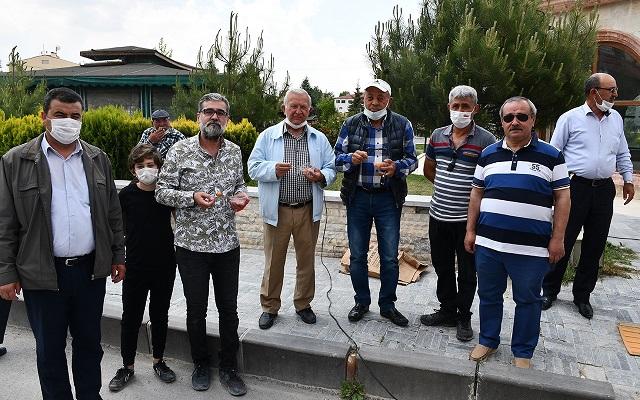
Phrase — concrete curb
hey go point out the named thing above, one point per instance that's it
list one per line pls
(321, 363)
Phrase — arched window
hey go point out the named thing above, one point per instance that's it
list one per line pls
(619, 56)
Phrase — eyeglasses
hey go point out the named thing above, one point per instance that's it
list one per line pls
(452, 164)
(209, 112)
(521, 117)
(611, 89)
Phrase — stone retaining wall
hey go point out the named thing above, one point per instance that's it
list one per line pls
(414, 226)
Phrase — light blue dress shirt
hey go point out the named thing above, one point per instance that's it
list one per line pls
(593, 148)
(70, 209)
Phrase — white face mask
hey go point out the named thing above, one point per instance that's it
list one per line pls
(375, 115)
(65, 130)
(460, 119)
(294, 126)
(148, 176)
(605, 106)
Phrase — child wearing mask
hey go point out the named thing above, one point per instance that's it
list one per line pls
(151, 265)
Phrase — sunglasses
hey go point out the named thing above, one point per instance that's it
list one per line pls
(521, 117)
(452, 163)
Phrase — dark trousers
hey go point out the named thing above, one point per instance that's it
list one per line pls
(591, 208)
(195, 269)
(447, 243)
(158, 282)
(5, 307)
(76, 306)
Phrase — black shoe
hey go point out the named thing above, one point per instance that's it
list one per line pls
(123, 375)
(163, 372)
(438, 318)
(357, 312)
(307, 315)
(266, 320)
(232, 382)
(394, 316)
(200, 378)
(464, 332)
(3, 351)
(547, 302)
(584, 309)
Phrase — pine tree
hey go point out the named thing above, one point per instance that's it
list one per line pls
(502, 48)
(20, 93)
(163, 48)
(356, 106)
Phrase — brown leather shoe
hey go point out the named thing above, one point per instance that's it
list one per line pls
(522, 362)
(481, 353)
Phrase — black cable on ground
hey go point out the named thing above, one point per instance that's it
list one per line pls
(354, 344)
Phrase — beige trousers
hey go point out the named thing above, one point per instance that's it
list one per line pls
(296, 222)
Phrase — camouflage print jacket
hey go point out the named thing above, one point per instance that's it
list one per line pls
(187, 169)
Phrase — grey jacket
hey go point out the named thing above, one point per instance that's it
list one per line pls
(26, 239)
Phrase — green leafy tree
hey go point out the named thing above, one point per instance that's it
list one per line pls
(20, 93)
(315, 92)
(245, 78)
(329, 119)
(356, 106)
(502, 48)
(164, 48)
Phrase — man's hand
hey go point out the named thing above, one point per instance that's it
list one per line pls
(313, 174)
(470, 242)
(239, 201)
(628, 191)
(282, 169)
(10, 291)
(389, 168)
(358, 157)
(556, 250)
(204, 200)
(157, 135)
(117, 272)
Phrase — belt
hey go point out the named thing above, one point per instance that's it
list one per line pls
(591, 182)
(71, 261)
(382, 189)
(295, 205)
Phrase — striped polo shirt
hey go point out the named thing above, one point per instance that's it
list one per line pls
(450, 198)
(516, 207)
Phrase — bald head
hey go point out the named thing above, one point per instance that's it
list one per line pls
(595, 81)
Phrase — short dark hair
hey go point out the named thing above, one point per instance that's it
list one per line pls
(592, 82)
(62, 94)
(141, 152)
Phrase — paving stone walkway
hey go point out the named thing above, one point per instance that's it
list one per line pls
(569, 344)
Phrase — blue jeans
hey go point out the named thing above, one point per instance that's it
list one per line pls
(364, 209)
(526, 273)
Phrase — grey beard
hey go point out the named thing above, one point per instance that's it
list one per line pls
(212, 131)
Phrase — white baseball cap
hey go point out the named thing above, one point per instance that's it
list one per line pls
(380, 84)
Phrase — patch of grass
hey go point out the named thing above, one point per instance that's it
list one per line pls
(617, 262)
(352, 390)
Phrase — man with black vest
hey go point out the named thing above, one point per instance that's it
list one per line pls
(375, 151)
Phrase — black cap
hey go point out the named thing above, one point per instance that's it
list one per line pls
(159, 114)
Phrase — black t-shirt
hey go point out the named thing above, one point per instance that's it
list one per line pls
(147, 226)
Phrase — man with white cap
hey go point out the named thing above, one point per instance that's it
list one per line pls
(376, 152)
(161, 135)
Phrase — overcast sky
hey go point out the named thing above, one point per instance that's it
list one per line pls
(322, 39)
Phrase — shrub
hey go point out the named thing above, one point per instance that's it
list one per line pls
(244, 134)
(186, 126)
(15, 131)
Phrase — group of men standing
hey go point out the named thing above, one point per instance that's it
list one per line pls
(500, 208)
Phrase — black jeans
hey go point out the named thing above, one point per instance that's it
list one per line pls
(591, 208)
(195, 268)
(447, 243)
(77, 306)
(141, 281)
(5, 308)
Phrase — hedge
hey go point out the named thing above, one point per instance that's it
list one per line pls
(116, 131)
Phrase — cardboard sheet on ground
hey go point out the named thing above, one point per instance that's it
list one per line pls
(630, 334)
(410, 268)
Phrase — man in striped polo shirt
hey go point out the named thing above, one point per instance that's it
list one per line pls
(451, 158)
(518, 213)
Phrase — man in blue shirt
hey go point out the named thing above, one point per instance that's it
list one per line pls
(591, 137)
(375, 150)
(513, 230)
